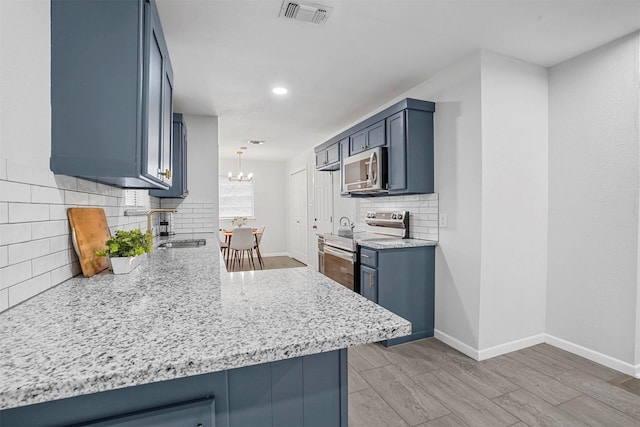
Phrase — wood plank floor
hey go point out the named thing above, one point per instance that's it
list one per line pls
(270, 263)
(429, 384)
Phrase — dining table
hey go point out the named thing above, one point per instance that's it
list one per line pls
(256, 235)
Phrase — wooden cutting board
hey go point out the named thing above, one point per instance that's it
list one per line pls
(89, 226)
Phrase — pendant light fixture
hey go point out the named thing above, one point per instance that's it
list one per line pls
(240, 177)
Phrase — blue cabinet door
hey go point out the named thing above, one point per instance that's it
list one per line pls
(369, 137)
(328, 157)
(333, 154)
(369, 283)
(397, 151)
(358, 142)
(179, 165)
(375, 135)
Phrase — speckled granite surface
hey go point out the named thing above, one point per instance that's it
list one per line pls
(178, 314)
(394, 243)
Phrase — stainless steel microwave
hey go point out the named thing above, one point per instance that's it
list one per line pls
(365, 172)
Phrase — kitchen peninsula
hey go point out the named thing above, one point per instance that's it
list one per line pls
(179, 334)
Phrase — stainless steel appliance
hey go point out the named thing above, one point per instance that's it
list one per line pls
(338, 255)
(365, 172)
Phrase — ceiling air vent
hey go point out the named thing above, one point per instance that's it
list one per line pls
(306, 12)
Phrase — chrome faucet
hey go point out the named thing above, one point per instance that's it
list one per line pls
(150, 212)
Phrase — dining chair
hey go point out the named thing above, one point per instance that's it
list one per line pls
(242, 241)
(258, 239)
(224, 248)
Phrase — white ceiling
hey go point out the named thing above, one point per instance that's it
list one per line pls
(228, 55)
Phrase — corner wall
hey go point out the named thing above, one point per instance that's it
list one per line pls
(514, 204)
(592, 298)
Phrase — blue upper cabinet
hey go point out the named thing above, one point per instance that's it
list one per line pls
(111, 93)
(328, 158)
(406, 131)
(178, 188)
(370, 137)
(410, 152)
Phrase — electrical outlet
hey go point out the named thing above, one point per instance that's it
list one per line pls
(444, 220)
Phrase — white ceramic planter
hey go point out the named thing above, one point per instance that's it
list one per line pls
(124, 265)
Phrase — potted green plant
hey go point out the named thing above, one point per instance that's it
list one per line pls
(125, 249)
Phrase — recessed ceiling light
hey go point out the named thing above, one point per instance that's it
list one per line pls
(280, 90)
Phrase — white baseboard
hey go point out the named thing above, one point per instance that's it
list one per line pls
(276, 254)
(457, 344)
(508, 347)
(594, 356)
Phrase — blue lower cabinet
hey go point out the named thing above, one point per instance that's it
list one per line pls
(403, 282)
(303, 391)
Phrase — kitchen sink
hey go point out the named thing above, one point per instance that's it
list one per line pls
(186, 243)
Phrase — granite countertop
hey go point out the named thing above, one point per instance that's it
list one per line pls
(178, 314)
(393, 243)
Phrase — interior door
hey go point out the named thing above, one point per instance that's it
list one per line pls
(323, 188)
(298, 215)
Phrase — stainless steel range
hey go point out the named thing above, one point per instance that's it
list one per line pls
(338, 255)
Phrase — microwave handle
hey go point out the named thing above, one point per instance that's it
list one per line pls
(373, 178)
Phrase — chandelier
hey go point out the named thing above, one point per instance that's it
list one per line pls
(240, 177)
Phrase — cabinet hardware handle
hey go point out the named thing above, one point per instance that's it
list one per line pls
(362, 147)
(371, 280)
(365, 256)
(166, 173)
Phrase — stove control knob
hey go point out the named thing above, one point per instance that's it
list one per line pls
(393, 216)
(399, 216)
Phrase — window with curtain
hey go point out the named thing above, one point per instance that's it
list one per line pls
(236, 198)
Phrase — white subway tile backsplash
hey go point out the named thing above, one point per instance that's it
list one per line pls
(28, 212)
(28, 250)
(4, 256)
(65, 272)
(40, 230)
(4, 212)
(60, 243)
(58, 212)
(13, 274)
(29, 288)
(46, 195)
(66, 182)
(14, 233)
(49, 262)
(15, 192)
(87, 186)
(4, 299)
(75, 198)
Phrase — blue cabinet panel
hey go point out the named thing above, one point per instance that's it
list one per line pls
(250, 396)
(403, 283)
(287, 393)
(397, 152)
(323, 403)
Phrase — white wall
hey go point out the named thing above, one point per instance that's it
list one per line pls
(514, 203)
(198, 212)
(592, 299)
(270, 200)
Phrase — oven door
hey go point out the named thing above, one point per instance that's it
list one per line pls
(339, 265)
